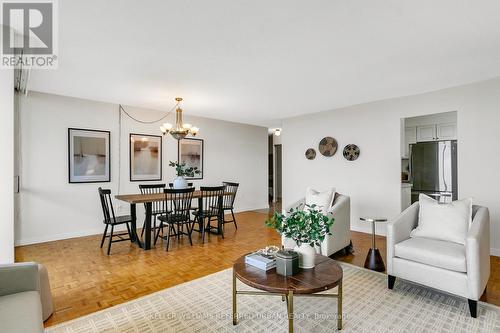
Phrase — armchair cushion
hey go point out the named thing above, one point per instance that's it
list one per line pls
(323, 200)
(447, 222)
(21, 312)
(437, 253)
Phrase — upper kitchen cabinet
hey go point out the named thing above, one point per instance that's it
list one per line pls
(437, 132)
(446, 131)
(426, 133)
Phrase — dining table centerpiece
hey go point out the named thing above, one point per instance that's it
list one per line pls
(182, 171)
(307, 225)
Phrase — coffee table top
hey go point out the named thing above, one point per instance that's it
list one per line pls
(327, 274)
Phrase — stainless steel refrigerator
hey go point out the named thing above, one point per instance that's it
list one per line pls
(433, 170)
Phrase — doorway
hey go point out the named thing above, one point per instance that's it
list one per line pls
(429, 158)
(275, 173)
(277, 188)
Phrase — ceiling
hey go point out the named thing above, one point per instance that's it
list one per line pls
(261, 61)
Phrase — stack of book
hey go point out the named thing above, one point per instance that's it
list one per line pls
(261, 261)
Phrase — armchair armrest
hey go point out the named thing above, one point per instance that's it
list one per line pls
(399, 229)
(477, 251)
(16, 278)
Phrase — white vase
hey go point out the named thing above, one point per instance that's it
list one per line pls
(307, 255)
(180, 183)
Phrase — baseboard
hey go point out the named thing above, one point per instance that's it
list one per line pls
(50, 238)
(495, 252)
(367, 230)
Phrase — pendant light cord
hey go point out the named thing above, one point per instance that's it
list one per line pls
(121, 110)
(148, 122)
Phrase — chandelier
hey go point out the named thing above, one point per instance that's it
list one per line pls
(181, 130)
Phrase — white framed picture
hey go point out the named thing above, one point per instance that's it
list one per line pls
(145, 157)
(88, 156)
(190, 151)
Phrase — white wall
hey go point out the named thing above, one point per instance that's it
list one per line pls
(50, 208)
(7, 166)
(373, 181)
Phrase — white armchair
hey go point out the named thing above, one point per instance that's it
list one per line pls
(341, 230)
(458, 269)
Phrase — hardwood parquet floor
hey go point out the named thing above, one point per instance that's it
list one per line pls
(84, 279)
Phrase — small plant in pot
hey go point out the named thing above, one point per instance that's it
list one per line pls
(182, 171)
(308, 227)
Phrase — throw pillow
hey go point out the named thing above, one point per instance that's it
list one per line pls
(323, 200)
(448, 222)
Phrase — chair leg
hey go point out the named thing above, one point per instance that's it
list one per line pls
(234, 219)
(390, 281)
(160, 227)
(110, 239)
(472, 308)
(202, 230)
(221, 221)
(104, 235)
(143, 227)
(168, 236)
(189, 234)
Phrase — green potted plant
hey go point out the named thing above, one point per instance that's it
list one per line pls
(308, 227)
(182, 171)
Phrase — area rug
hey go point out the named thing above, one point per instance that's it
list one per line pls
(204, 305)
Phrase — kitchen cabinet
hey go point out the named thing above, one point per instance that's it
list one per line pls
(426, 133)
(446, 131)
(405, 196)
(410, 137)
(437, 132)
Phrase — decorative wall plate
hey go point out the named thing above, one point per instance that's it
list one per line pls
(310, 154)
(328, 146)
(351, 152)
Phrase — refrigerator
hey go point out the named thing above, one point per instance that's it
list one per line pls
(433, 170)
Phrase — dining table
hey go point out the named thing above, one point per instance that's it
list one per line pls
(147, 200)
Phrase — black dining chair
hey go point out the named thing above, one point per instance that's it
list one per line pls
(156, 208)
(111, 220)
(177, 206)
(228, 201)
(171, 185)
(211, 208)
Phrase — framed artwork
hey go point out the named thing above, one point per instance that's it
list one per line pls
(145, 157)
(190, 151)
(88, 156)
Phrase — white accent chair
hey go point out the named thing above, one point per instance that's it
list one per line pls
(462, 270)
(341, 230)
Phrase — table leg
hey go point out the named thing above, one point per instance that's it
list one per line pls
(374, 260)
(290, 311)
(220, 218)
(373, 235)
(235, 321)
(133, 214)
(201, 219)
(339, 307)
(147, 240)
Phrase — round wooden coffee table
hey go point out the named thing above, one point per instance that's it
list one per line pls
(327, 274)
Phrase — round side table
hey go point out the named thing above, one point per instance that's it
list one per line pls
(374, 260)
